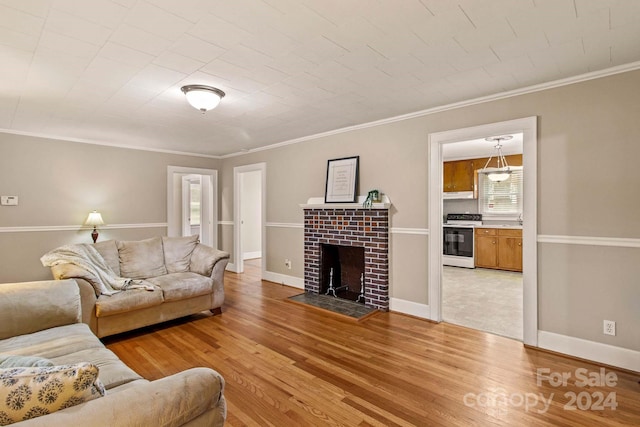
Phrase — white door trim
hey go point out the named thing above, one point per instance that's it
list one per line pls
(528, 126)
(238, 258)
(209, 210)
(186, 199)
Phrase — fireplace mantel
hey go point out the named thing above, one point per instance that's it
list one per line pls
(318, 203)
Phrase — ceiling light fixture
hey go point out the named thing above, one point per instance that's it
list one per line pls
(203, 98)
(502, 172)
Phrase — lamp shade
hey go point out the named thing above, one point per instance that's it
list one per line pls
(203, 97)
(94, 219)
(499, 176)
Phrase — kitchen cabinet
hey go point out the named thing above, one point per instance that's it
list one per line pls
(458, 175)
(498, 248)
(462, 175)
(486, 248)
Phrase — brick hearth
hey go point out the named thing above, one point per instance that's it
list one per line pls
(368, 228)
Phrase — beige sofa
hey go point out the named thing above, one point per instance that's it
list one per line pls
(44, 319)
(188, 277)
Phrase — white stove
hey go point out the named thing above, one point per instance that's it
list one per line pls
(458, 248)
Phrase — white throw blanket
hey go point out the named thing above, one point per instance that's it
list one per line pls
(87, 257)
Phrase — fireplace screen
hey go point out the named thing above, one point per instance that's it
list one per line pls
(342, 272)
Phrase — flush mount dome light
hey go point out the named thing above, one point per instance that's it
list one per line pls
(203, 98)
(503, 171)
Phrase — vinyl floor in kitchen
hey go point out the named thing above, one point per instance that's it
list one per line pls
(488, 300)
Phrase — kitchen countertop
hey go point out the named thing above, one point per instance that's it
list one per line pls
(502, 226)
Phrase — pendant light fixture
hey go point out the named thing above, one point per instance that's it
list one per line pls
(203, 98)
(502, 171)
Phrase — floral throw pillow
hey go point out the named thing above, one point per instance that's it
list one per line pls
(32, 392)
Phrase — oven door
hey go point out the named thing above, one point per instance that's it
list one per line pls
(457, 241)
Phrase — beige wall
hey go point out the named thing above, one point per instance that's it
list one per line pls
(580, 286)
(584, 128)
(58, 183)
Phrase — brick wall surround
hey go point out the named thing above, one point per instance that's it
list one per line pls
(368, 228)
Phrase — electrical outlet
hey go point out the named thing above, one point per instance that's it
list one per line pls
(287, 263)
(609, 327)
(9, 200)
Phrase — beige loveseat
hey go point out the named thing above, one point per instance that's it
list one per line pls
(44, 319)
(187, 278)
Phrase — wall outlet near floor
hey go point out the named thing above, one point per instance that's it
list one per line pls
(287, 263)
(609, 327)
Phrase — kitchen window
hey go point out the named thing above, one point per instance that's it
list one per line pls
(502, 200)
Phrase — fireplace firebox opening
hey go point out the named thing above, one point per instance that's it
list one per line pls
(342, 272)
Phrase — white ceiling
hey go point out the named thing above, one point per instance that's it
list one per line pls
(111, 71)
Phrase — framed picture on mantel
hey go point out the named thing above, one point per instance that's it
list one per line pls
(342, 180)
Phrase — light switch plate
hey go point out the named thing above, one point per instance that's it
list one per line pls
(9, 200)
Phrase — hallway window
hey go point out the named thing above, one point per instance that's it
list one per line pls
(194, 205)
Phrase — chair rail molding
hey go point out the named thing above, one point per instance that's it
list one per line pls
(39, 228)
(620, 242)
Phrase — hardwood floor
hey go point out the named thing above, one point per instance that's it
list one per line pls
(286, 364)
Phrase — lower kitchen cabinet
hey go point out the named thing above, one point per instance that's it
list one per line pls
(498, 248)
(486, 248)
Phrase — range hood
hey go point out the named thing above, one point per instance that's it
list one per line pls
(449, 195)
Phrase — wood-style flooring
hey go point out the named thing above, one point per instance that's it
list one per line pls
(290, 365)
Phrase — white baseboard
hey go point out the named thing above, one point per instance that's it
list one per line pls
(232, 268)
(252, 255)
(410, 307)
(590, 350)
(295, 282)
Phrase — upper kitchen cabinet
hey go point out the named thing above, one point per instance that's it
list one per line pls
(458, 175)
(462, 175)
(512, 160)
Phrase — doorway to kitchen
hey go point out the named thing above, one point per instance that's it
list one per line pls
(482, 269)
(437, 273)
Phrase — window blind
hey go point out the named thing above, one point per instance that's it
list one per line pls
(501, 198)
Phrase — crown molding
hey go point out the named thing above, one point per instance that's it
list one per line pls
(502, 95)
(104, 144)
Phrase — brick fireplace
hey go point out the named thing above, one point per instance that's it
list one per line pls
(348, 225)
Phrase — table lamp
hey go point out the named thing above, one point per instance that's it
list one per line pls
(94, 219)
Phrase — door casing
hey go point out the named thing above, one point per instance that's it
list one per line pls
(209, 208)
(528, 127)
